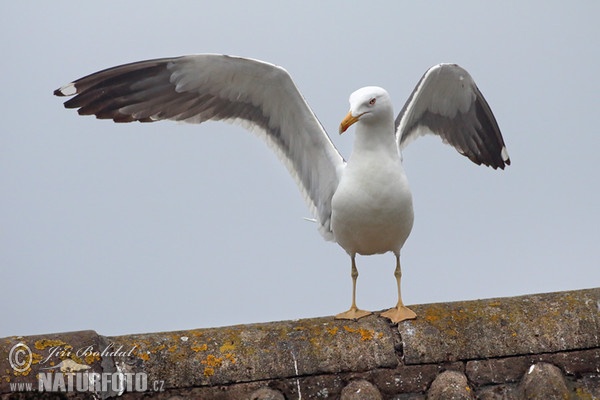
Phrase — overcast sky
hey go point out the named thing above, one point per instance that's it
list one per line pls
(126, 228)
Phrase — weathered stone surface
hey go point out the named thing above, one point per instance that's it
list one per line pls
(242, 391)
(588, 387)
(405, 379)
(409, 378)
(261, 351)
(360, 390)
(498, 370)
(450, 385)
(499, 392)
(266, 394)
(323, 358)
(575, 362)
(543, 323)
(544, 382)
(409, 396)
(512, 369)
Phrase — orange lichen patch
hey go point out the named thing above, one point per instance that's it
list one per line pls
(332, 331)
(172, 349)
(144, 355)
(199, 347)
(141, 348)
(365, 334)
(433, 318)
(195, 333)
(434, 314)
(90, 358)
(231, 358)
(45, 343)
(22, 373)
(452, 320)
(212, 361)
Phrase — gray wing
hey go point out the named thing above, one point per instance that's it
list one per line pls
(446, 102)
(260, 96)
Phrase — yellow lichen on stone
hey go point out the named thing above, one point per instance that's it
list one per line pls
(231, 358)
(196, 347)
(332, 331)
(583, 394)
(208, 371)
(432, 315)
(365, 334)
(227, 348)
(91, 357)
(348, 329)
(212, 361)
(45, 343)
(446, 320)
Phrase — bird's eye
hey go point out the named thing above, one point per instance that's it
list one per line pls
(372, 101)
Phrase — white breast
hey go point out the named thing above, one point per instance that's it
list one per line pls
(372, 207)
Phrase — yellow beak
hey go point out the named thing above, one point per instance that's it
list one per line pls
(347, 122)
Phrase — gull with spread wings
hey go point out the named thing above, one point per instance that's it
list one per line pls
(364, 204)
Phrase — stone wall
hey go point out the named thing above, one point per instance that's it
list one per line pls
(544, 346)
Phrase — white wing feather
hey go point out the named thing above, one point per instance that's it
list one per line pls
(257, 95)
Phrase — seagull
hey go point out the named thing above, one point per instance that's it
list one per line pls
(365, 203)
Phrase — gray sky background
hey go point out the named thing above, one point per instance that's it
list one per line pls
(158, 227)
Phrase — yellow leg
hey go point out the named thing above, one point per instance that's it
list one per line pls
(353, 313)
(400, 312)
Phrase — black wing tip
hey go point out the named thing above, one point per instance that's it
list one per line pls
(503, 164)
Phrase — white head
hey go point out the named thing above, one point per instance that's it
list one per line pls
(368, 104)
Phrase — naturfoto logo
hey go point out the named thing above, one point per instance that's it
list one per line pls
(60, 373)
